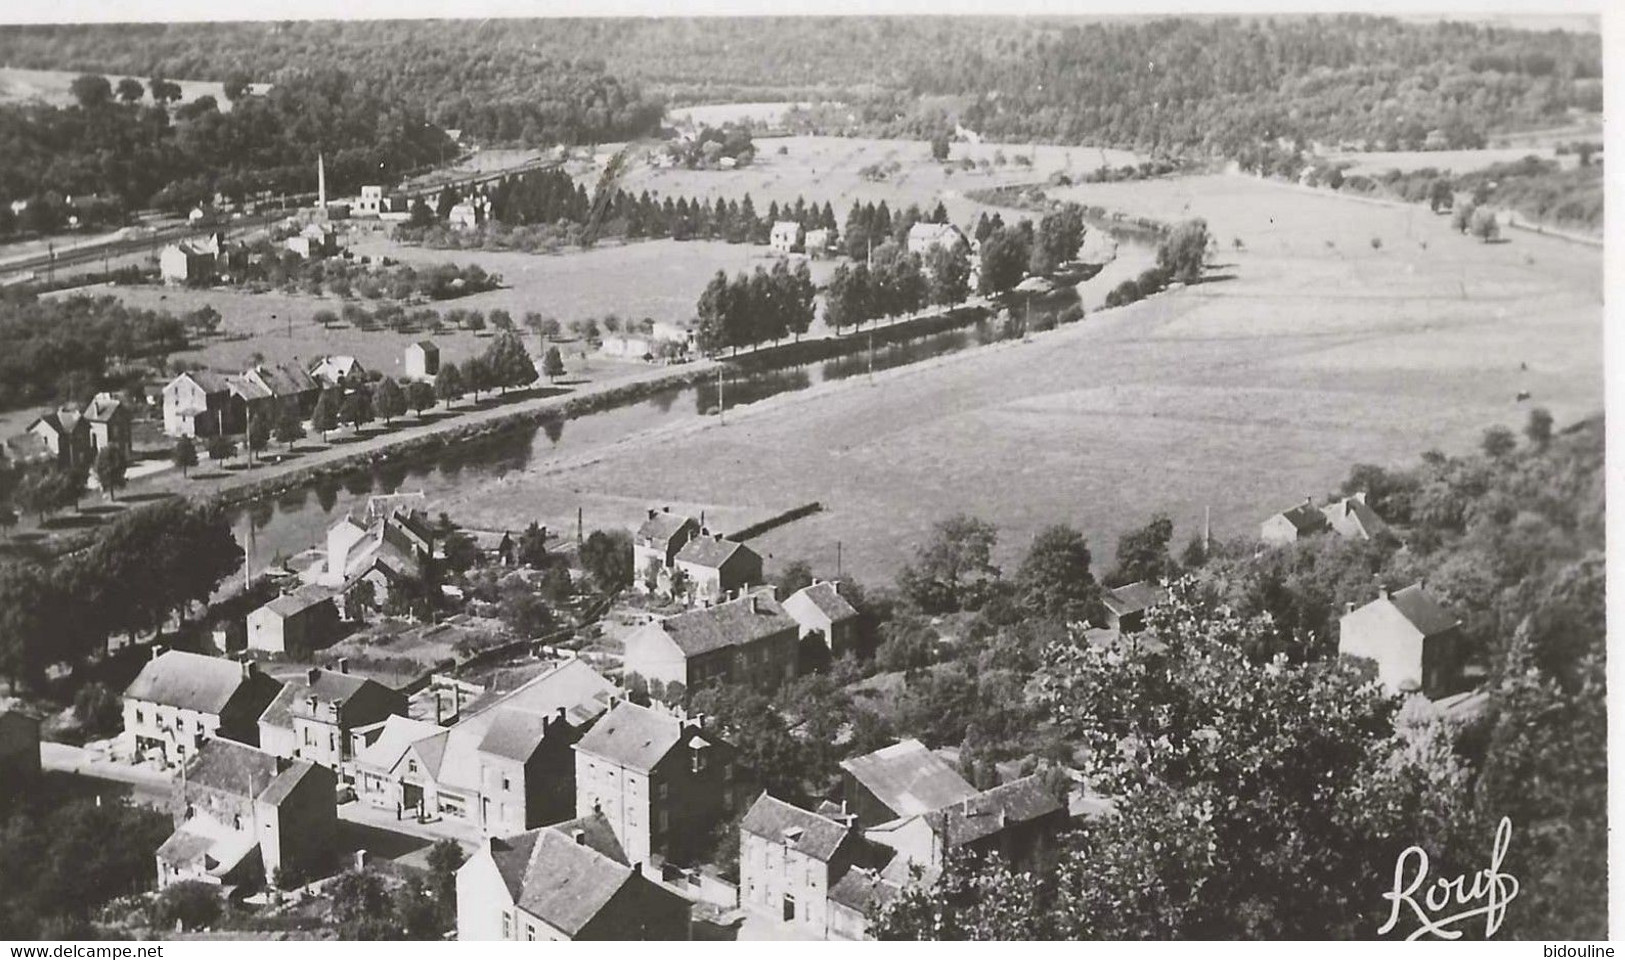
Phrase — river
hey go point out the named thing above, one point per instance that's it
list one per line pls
(282, 527)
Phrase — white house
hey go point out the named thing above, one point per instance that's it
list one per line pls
(785, 237)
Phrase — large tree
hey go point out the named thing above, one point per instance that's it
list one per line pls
(1054, 578)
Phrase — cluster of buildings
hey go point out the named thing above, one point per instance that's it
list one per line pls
(70, 437)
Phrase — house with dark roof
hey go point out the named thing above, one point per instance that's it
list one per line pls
(338, 371)
(662, 782)
(1016, 821)
(751, 640)
(287, 384)
(655, 546)
(393, 552)
(107, 419)
(859, 894)
(1288, 526)
(1414, 643)
(1126, 605)
(505, 766)
(791, 860)
(317, 715)
(197, 404)
(823, 614)
(242, 815)
(903, 780)
(569, 881)
(422, 360)
(1352, 517)
(923, 236)
(296, 624)
(181, 699)
(64, 437)
(714, 568)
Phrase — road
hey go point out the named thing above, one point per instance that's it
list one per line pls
(147, 786)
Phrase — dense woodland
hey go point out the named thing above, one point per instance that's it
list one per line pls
(130, 146)
(1176, 85)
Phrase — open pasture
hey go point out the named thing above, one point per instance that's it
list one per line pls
(1241, 395)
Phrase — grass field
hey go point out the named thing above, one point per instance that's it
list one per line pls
(826, 169)
(717, 114)
(1241, 395)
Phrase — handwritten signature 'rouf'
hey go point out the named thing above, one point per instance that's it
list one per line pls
(1488, 896)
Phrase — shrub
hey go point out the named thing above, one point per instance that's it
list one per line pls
(191, 903)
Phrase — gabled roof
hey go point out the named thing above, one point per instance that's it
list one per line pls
(565, 874)
(662, 526)
(427, 346)
(398, 735)
(209, 380)
(286, 381)
(300, 600)
(861, 889)
(513, 734)
(1354, 509)
(992, 810)
(190, 681)
(734, 623)
(633, 736)
(248, 388)
(908, 778)
(1426, 614)
(103, 408)
(1305, 517)
(243, 771)
(330, 687)
(1133, 597)
(60, 422)
(711, 551)
(824, 597)
(930, 234)
(803, 831)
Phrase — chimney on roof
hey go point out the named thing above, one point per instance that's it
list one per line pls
(1308, 501)
(559, 717)
(344, 665)
(1348, 607)
(579, 835)
(754, 608)
(158, 650)
(313, 674)
(250, 668)
(1382, 591)
(652, 513)
(1359, 495)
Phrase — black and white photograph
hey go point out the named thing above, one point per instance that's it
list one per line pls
(536, 472)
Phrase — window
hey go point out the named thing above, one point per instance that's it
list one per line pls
(661, 790)
(662, 821)
(236, 821)
(507, 925)
(530, 931)
(505, 784)
(140, 715)
(411, 766)
(310, 737)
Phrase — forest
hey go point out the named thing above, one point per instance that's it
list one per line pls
(1175, 85)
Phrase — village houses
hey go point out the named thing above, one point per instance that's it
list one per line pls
(923, 236)
(243, 816)
(181, 699)
(393, 553)
(295, 624)
(785, 236)
(1350, 517)
(655, 546)
(1126, 605)
(504, 767)
(750, 640)
(195, 405)
(791, 861)
(318, 716)
(662, 782)
(710, 568)
(1413, 641)
(108, 421)
(822, 614)
(569, 881)
(338, 371)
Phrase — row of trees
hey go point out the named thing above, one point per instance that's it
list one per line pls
(144, 567)
(747, 310)
(898, 283)
(65, 349)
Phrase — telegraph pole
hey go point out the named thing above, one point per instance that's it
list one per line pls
(722, 405)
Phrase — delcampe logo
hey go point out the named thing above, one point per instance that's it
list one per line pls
(1488, 896)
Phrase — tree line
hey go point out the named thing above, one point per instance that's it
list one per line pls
(747, 310)
(65, 349)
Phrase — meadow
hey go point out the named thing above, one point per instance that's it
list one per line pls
(1241, 395)
(1375, 164)
(51, 87)
(829, 169)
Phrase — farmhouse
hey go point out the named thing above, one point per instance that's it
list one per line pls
(816, 242)
(822, 613)
(464, 216)
(785, 236)
(923, 236)
(661, 782)
(714, 568)
(749, 640)
(655, 546)
(180, 699)
(1415, 643)
(1351, 517)
(394, 553)
(1288, 526)
(61, 437)
(242, 815)
(338, 371)
(506, 766)
(317, 717)
(1015, 820)
(569, 881)
(1126, 605)
(191, 262)
(902, 780)
(295, 624)
(422, 360)
(196, 405)
(108, 420)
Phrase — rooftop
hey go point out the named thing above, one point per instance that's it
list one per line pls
(190, 681)
(826, 597)
(710, 551)
(300, 600)
(661, 526)
(992, 810)
(908, 778)
(803, 831)
(330, 687)
(1426, 614)
(633, 736)
(1133, 597)
(565, 874)
(1305, 517)
(730, 624)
